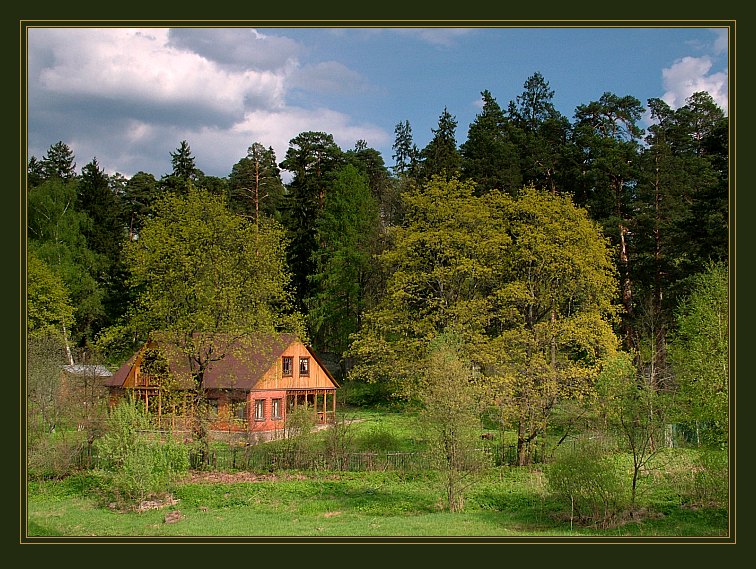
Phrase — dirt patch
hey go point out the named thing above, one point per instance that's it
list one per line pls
(200, 477)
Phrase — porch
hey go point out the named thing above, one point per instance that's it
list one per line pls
(322, 401)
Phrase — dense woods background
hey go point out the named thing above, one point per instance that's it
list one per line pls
(552, 249)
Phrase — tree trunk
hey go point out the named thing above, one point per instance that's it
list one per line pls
(522, 444)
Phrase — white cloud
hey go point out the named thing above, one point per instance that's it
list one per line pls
(690, 75)
(721, 43)
(139, 66)
(122, 92)
(244, 48)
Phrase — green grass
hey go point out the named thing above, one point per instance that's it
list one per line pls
(504, 502)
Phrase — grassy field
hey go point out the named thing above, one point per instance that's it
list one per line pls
(504, 501)
(507, 501)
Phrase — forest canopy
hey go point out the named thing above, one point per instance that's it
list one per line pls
(545, 245)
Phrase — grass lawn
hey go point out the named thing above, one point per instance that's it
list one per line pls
(505, 502)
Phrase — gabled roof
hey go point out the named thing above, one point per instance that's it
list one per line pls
(117, 379)
(245, 362)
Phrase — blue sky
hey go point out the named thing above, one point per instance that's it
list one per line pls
(129, 96)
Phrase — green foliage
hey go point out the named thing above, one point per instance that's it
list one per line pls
(587, 482)
(59, 162)
(205, 277)
(441, 157)
(406, 154)
(137, 467)
(45, 358)
(183, 161)
(378, 438)
(450, 417)
(255, 184)
(490, 156)
(49, 308)
(56, 231)
(312, 158)
(699, 352)
(636, 412)
(525, 282)
(338, 442)
(198, 268)
(710, 479)
(299, 430)
(53, 456)
(139, 193)
(347, 231)
(364, 394)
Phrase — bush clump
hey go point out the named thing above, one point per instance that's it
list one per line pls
(137, 467)
(588, 483)
(378, 439)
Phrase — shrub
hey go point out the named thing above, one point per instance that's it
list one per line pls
(137, 467)
(338, 442)
(54, 457)
(378, 438)
(361, 394)
(588, 483)
(148, 471)
(707, 482)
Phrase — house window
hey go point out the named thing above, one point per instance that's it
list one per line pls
(259, 409)
(275, 410)
(288, 365)
(212, 405)
(240, 410)
(304, 366)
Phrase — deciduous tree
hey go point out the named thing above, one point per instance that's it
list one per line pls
(206, 277)
(526, 282)
(450, 417)
(701, 357)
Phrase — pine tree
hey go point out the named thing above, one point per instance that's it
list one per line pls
(489, 155)
(312, 158)
(345, 273)
(255, 184)
(59, 162)
(441, 157)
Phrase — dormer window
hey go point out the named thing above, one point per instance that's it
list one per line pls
(287, 365)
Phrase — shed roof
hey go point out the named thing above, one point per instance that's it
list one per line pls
(82, 369)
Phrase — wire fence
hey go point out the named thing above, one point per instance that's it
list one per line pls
(260, 458)
(263, 457)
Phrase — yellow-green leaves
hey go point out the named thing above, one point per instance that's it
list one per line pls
(526, 282)
(49, 307)
(198, 270)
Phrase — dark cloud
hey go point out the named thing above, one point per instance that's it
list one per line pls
(241, 48)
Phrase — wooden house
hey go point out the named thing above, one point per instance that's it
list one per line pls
(250, 389)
